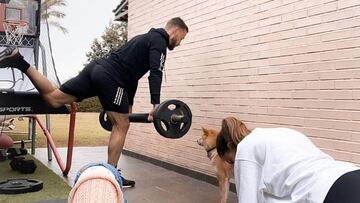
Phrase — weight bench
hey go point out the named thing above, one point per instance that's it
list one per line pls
(28, 104)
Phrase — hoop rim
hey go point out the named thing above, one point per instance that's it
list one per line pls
(16, 22)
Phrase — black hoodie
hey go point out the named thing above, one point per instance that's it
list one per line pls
(133, 60)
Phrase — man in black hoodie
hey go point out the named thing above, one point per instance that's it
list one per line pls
(113, 79)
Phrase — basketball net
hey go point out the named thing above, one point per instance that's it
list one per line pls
(14, 31)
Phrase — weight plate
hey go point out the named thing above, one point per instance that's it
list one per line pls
(17, 186)
(165, 125)
(104, 120)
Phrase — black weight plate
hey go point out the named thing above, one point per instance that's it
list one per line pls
(164, 124)
(105, 121)
(22, 185)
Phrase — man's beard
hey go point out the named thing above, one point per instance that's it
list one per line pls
(172, 44)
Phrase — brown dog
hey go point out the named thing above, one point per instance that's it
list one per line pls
(224, 171)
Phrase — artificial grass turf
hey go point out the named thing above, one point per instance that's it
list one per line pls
(54, 187)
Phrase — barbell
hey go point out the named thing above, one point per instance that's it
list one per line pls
(172, 119)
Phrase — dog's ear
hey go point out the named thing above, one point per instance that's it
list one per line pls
(206, 131)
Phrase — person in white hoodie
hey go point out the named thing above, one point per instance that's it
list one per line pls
(276, 165)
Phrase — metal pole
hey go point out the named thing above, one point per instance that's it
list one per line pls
(32, 123)
(32, 134)
(47, 116)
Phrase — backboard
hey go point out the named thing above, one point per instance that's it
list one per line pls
(27, 11)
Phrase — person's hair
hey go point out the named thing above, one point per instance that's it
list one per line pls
(177, 22)
(231, 133)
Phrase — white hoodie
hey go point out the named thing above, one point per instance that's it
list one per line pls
(276, 165)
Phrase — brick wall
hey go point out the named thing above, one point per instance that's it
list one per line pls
(292, 63)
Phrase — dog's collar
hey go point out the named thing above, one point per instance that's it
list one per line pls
(210, 149)
(211, 153)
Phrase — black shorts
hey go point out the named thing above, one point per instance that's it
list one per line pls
(346, 189)
(94, 80)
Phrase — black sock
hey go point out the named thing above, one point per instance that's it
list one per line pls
(22, 64)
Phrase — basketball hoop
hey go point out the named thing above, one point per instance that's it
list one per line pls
(14, 31)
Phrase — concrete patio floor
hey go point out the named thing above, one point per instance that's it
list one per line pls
(154, 184)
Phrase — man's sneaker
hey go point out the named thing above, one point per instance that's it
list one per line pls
(10, 57)
(6, 54)
(127, 183)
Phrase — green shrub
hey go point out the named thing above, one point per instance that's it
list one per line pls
(89, 105)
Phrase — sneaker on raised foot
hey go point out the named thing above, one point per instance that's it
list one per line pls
(8, 52)
(10, 57)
